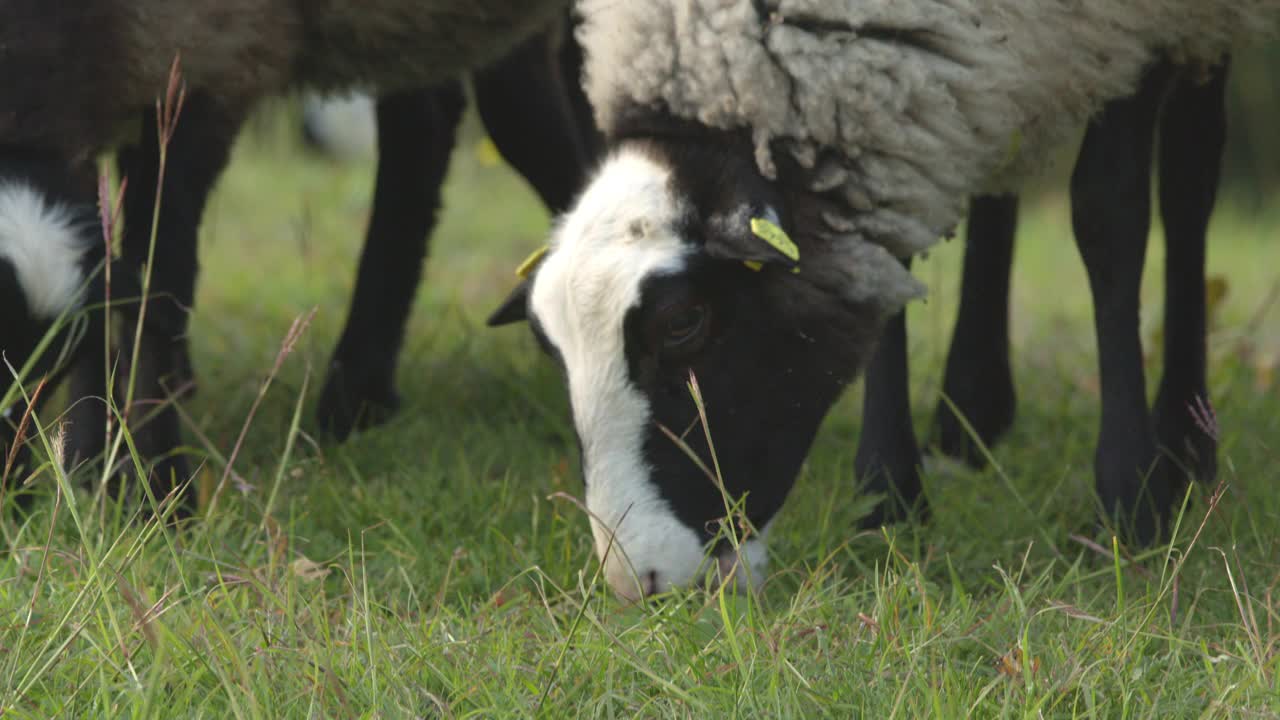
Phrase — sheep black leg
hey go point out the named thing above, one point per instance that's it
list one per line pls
(87, 388)
(416, 134)
(197, 152)
(526, 108)
(978, 381)
(1192, 135)
(1110, 213)
(888, 458)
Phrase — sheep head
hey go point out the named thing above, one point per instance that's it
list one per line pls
(658, 274)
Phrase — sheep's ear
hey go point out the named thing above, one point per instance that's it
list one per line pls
(754, 237)
(514, 309)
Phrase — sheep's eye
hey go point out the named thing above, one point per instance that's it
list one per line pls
(683, 326)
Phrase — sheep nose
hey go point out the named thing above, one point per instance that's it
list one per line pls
(645, 582)
(650, 584)
(633, 585)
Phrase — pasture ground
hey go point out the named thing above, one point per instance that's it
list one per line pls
(433, 567)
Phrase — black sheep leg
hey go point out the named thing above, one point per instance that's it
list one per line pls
(1192, 135)
(526, 103)
(888, 458)
(1110, 213)
(87, 382)
(978, 381)
(88, 386)
(416, 135)
(196, 155)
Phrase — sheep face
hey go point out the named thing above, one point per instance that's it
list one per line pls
(44, 247)
(645, 284)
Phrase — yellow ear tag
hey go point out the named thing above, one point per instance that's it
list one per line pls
(531, 262)
(776, 237)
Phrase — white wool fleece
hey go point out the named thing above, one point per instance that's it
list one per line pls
(902, 107)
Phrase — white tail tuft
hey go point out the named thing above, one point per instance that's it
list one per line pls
(43, 243)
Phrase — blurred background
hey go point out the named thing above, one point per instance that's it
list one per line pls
(1253, 150)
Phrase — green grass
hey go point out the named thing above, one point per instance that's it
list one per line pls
(429, 568)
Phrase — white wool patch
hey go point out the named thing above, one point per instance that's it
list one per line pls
(41, 241)
(344, 126)
(620, 233)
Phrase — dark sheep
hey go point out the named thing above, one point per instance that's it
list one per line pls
(231, 56)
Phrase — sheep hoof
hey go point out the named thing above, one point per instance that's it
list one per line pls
(1134, 485)
(894, 511)
(988, 413)
(168, 476)
(349, 403)
(1185, 434)
(903, 498)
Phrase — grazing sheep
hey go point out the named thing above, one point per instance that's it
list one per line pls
(859, 128)
(77, 78)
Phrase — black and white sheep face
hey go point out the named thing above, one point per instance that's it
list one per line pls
(644, 283)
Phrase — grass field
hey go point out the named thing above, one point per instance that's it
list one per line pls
(432, 567)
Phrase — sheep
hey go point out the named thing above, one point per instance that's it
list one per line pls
(77, 79)
(771, 163)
